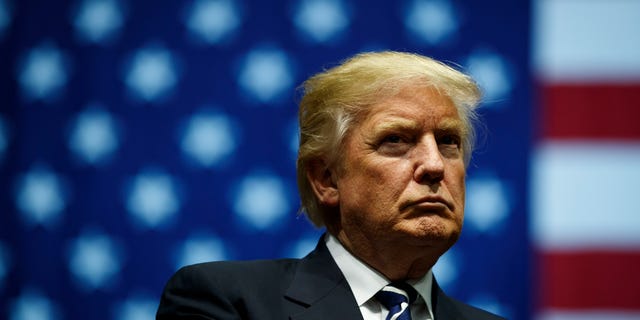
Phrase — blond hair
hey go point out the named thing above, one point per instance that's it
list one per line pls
(334, 99)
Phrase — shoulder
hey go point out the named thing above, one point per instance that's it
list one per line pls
(238, 266)
(225, 290)
(239, 273)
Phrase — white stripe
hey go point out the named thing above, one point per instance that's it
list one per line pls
(580, 40)
(589, 315)
(586, 196)
(395, 290)
(403, 307)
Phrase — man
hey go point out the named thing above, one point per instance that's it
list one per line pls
(385, 140)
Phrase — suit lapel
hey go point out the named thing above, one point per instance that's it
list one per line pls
(443, 306)
(319, 286)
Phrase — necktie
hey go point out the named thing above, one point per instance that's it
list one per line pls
(397, 297)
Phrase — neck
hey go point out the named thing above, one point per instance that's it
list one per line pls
(396, 264)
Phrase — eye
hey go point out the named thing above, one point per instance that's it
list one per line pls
(450, 145)
(450, 139)
(392, 138)
(394, 145)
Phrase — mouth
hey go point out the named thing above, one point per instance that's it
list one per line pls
(429, 204)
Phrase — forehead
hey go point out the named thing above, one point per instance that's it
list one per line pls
(414, 106)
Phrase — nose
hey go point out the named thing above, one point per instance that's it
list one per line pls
(429, 163)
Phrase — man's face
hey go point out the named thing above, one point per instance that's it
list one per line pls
(401, 177)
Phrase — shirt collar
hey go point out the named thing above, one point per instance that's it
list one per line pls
(365, 281)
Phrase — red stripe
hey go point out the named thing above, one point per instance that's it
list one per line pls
(589, 280)
(591, 111)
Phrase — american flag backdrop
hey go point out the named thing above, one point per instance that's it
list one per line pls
(585, 173)
(140, 136)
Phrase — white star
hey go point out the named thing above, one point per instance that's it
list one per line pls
(93, 137)
(213, 20)
(152, 198)
(152, 74)
(208, 138)
(5, 16)
(322, 20)
(32, 305)
(43, 73)
(487, 203)
(199, 249)
(94, 260)
(137, 308)
(431, 20)
(492, 74)
(265, 74)
(40, 196)
(98, 20)
(261, 200)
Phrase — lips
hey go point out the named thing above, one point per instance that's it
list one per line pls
(429, 203)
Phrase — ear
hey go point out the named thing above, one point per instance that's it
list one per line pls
(323, 183)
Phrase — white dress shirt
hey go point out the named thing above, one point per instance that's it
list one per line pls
(365, 282)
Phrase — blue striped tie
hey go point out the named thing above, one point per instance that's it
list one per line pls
(397, 297)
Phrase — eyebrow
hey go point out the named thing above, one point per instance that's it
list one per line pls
(450, 124)
(393, 124)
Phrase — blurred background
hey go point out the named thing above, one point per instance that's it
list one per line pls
(137, 137)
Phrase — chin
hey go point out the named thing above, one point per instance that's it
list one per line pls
(436, 232)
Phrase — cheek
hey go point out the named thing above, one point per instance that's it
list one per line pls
(390, 178)
(377, 172)
(457, 185)
(374, 187)
(461, 188)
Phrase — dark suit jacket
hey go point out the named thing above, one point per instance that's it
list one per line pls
(311, 288)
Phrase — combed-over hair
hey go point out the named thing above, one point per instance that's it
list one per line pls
(335, 99)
